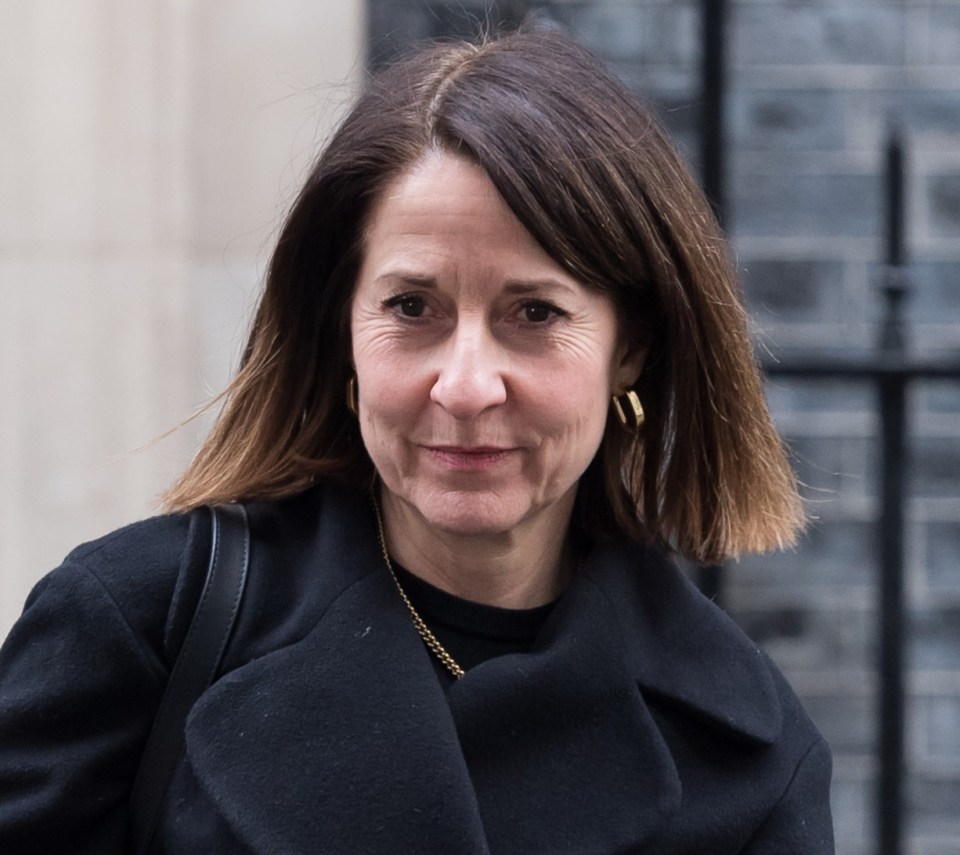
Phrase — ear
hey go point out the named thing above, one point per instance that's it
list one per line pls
(628, 367)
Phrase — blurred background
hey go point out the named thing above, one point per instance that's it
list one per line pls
(149, 148)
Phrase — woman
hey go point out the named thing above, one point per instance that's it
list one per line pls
(499, 369)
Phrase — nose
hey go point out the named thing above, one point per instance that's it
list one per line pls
(470, 375)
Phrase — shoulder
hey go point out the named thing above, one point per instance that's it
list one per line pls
(83, 669)
(151, 573)
(162, 537)
(141, 558)
(81, 675)
(130, 576)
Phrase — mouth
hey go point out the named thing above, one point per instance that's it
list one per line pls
(470, 457)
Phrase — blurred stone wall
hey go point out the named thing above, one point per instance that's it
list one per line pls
(148, 149)
(813, 89)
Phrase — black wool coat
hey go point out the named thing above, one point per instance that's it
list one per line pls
(642, 721)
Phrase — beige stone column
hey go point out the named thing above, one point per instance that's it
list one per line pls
(148, 148)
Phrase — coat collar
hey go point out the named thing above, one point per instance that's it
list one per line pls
(342, 742)
(306, 749)
(682, 647)
(347, 737)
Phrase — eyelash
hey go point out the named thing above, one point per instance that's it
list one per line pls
(397, 301)
(555, 311)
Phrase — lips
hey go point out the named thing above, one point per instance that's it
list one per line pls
(479, 457)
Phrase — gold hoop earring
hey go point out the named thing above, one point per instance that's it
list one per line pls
(629, 410)
(353, 399)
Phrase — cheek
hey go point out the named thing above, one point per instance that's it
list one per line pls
(574, 404)
(381, 426)
(381, 377)
(389, 398)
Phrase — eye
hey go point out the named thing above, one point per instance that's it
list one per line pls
(408, 305)
(539, 312)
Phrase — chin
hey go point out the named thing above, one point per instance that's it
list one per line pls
(472, 513)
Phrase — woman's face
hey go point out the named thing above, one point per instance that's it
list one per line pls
(484, 370)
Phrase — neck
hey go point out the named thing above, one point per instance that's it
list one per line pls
(525, 567)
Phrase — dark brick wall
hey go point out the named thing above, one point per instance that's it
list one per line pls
(814, 86)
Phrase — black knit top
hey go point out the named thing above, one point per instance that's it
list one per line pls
(471, 632)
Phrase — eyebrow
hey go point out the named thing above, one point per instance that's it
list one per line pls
(534, 285)
(513, 286)
(419, 280)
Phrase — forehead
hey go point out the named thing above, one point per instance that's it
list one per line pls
(437, 184)
(445, 204)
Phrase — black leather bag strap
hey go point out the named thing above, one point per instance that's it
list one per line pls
(195, 668)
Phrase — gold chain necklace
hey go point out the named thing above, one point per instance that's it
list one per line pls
(422, 629)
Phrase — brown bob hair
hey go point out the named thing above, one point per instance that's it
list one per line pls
(589, 172)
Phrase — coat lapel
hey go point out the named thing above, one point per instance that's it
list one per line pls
(682, 648)
(560, 743)
(342, 742)
(562, 750)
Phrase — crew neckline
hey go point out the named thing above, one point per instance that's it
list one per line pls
(472, 632)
